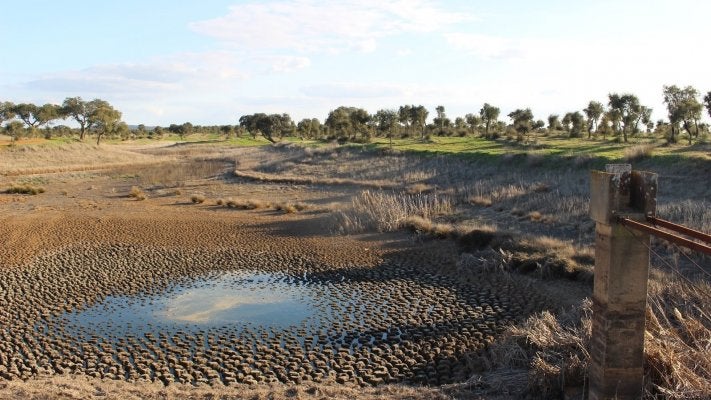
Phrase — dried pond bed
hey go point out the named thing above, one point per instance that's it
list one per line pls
(399, 321)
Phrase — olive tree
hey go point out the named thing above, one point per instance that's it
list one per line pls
(593, 112)
(489, 114)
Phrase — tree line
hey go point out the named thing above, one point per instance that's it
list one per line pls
(96, 116)
(621, 116)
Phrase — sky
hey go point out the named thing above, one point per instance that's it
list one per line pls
(210, 61)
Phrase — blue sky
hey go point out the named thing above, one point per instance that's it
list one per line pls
(209, 62)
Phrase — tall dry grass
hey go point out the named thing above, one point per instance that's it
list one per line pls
(551, 351)
(388, 211)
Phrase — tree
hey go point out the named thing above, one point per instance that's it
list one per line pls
(604, 126)
(347, 122)
(7, 111)
(593, 112)
(27, 112)
(628, 107)
(419, 118)
(105, 119)
(522, 120)
(489, 114)
(565, 122)
(404, 116)
(473, 121)
(309, 128)
(707, 102)
(226, 130)
(553, 122)
(157, 132)
(645, 117)
(440, 118)
(614, 117)
(386, 121)
(47, 113)
(13, 129)
(283, 125)
(80, 111)
(577, 122)
(683, 107)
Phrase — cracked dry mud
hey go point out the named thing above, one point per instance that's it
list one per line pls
(373, 309)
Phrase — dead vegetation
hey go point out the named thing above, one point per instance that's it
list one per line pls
(547, 355)
(137, 193)
(388, 211)
(24, 189)
(36, 159)
(80, 387)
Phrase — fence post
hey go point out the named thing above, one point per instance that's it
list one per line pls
(620, 285)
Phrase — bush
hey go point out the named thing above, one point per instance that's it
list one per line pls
(24, 189)
(638, 152)
(197, 198)
(137, 193)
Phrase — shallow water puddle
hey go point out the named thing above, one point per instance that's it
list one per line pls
(236, 299)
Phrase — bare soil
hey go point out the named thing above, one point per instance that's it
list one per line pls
(60, 251)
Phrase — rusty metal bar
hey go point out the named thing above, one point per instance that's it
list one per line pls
(680, 228)
(681, 241)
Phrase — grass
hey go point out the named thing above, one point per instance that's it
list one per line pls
(638, 152)
(24, 189)
(197, 198)
(550, 351)
(81, 387)
(388, 211)
(137, 193)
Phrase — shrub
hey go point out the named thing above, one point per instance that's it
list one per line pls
(137, 193)
(197, 198)
(24, 189)
(219, 202)
(638, 152)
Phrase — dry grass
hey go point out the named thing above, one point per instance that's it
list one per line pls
(553, 349)
(290, 208)
(173, 174)
(418, 188)
(678, 339)
(79, 387)
(137, 193)
(481, 201)
(197, 198)
(36, 159)
(638, 152)
(24, 189)
(308, 180)
(388, 211)
(422, 225)
(248, 204)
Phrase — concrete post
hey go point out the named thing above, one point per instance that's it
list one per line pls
(620, 285)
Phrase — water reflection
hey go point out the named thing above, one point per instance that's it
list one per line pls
(235, 299)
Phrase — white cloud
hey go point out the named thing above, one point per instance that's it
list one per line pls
(282, 63)
(352, 90)
(486, 46)
(324, 26)
(165, 74)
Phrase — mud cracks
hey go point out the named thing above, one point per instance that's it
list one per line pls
(399, 321)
